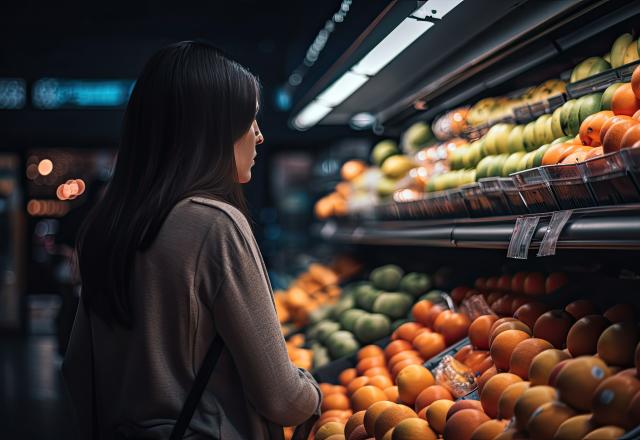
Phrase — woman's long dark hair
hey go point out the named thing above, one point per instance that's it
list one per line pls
(187, 109)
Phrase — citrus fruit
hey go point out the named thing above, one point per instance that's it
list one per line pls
(413, 429)
(529, 402)
(523, 355)
(530, 312)
(392, 393)
(391, 417)
(503, 345)
(429, 344)
(617, 343)
(553, 326)
(420, 310)
(366, 396)
(372, 414)
(411, 381)
(489, 430)
(396, 347)
(436, 414)
(329, 429)
(508, 398)
(581, 308)
(493, 389)
(430, 395)
(620, 312)
(484, 377)
(624, 101)
(461, 425)
(575, 427)
(347, 376)
(354, 421)
(542, 365)
(605, 433)
(577, 381)
(582, 338)
(612, 399)
(546, 420)
(370, 351)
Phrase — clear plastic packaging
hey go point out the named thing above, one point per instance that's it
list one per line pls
(492, 190)
(477, 203)
(632, 163)
(608, 179)
(455, 376)
(535, 190)
(569, 185)
(513, 196)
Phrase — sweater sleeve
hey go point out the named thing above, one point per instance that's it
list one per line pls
(244, 315)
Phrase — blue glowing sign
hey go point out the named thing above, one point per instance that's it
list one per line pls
(53, 93)
(13, 93)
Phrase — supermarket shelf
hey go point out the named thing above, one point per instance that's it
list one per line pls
(590, 228)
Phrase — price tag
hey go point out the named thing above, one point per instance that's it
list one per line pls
(550, 239)
(521, 238)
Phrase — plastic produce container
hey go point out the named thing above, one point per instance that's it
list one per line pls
(477, 203)
(569, 185)
(632, 164)
(513, 196)
(491, 189)
(608, 179)
(456, 201)
(535, 190)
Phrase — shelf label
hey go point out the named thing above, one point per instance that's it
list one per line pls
(521, 237)
(551, 236)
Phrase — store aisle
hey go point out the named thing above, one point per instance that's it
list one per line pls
(33, 401)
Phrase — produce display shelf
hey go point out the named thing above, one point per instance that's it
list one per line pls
(614, 227)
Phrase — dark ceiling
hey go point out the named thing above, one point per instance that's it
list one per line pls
(113, 39)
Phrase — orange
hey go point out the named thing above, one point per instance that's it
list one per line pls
(463, 423)
(575, 427)
(620, 312)
(370, 362)
(578, 155)
(529, 402)
(430, 395)
(555, 154)
(325, 388)
(494, 296)
(483, 366)
(595, 152)
(352, 169)
(591, 126)
(579, 378)
(354, 421)
(493, 389)
(518, 302)
(511, 434)
(423, 413)
(347, 376)
(438, 324)
(479, 331)
(534, 283)
(408, 330)
(530, 312)
(508, 399)
(546, 420)
(377, 371)
(413, 429)
(436, 414)
(504, 283)
(607, 125)
(511, 325)
(636, 115)
(334, 415)
(497, 323)
(633, 412)
(464, 404)
(555, 371)
(503, 345)
(429, 344)
(390, 418)
(605, 433)
(357, 383)
(492, 283)
(489, 430)
(458, 294)
(581, 308)
(366, 396)
(402, 356)
(617, 343)
(335, 401)
(502, 306)
(635, 82)
(476, 358)
(542, 365)
(631, 136)
(613, 139)
(411, 381)
(420, 311)
(360, 433)
(624, 102)
(370, 351)
(523, 355)
(517, 282)
(612, 399)
(455, 327)
(480, 283)
(465, 351)
(554, 326)
(372, 414)
(396, 347)
(381, 381)
(392, 393)
(329, 429)
(399, 366)
(484, 377)
(432, 315)
(582, 338)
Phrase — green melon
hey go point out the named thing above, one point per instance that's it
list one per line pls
(490, 140)
(392, 304)
(541, 129)
(502, 139)
(561, 140)
(567, 107)
(590, 104)
(599, 66)
(349, 317)
(528, 136)
(512, 162)
(556, 124)
(371, 327)
(515, 141)
(496, 166)
(548, 132)
(524, 160)
(537, 158)
(574, 118)
(482, 170)
(386, 277)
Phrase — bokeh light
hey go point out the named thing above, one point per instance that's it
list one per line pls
(45, 167)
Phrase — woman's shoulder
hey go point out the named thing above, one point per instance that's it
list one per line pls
(212, 213)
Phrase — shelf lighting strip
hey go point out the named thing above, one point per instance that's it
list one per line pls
(408, 31)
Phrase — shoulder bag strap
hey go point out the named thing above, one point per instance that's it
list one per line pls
(95, 430)
(199, 384)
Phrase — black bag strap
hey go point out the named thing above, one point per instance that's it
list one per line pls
(199, 384)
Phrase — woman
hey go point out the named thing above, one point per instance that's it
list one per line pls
(168, 261)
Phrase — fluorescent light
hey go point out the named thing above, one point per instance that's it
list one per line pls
(436, 8)
(398, 40)
(311, 115)
(342, 89)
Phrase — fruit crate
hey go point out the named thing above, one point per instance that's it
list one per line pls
(633, 434)
(329, 373)
(456, 201)
(477, 203)
(609, 181)
(601, 81)
(535, 190)
(493, 191)
(569, 186)
(523, 114)
(513, 196)
(632, 163)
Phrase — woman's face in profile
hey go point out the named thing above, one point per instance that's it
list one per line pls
(245, 151)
